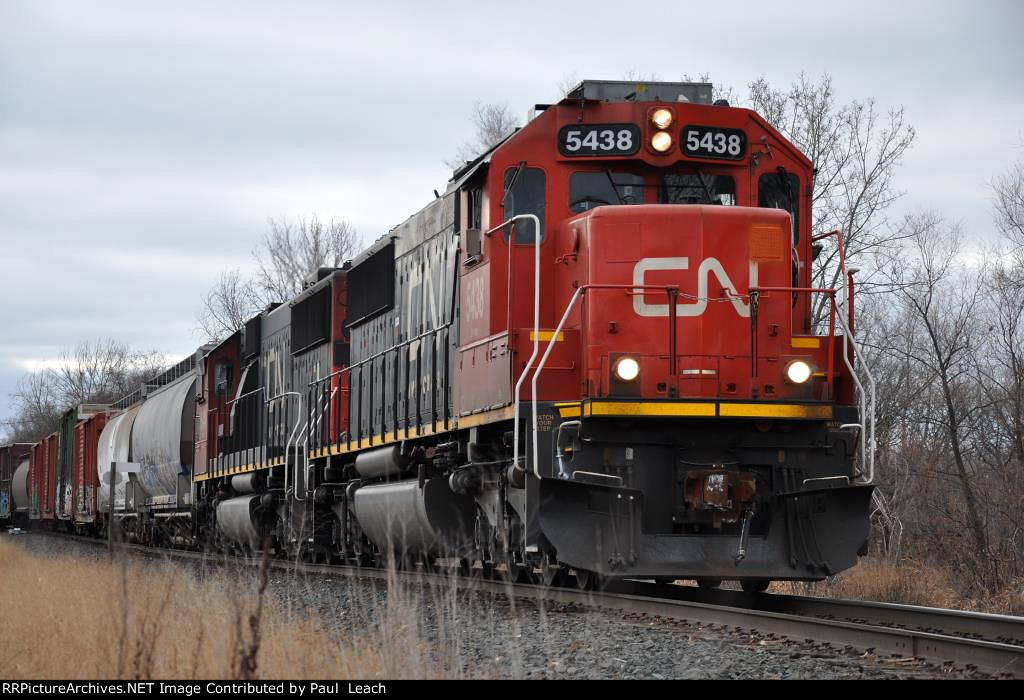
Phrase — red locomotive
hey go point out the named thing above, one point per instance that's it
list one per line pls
(592, 356)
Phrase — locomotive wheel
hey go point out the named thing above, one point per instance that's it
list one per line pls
(752, 586)
(480, 564)
(709, 583)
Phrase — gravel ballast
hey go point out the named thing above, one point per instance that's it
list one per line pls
(459, 633)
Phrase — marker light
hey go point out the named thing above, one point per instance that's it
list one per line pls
(798, 371)
(627, 369)
(661, 141)
(661, 118)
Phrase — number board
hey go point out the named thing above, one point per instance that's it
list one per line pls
(599, 140)
(714, 142)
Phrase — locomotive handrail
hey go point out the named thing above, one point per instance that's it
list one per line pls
(866, 398)
(867, 445)
(287, 446)
(536, 326)
(844, 273)
(847, 278)
(245, 395)
(349, 368)
(310, 422)
(310, 386)
(670, 290)
(213, 413)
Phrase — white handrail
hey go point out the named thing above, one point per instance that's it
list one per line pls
(540, 366)
(867, 398)
(315, 415)
(536, 324)
(867, 455)
(288, 443)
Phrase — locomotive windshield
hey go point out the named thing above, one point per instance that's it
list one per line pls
(589, 190)
(697, 188)
(593, 189)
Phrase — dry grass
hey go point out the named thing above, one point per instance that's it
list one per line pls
(909, 582)
(90, 619)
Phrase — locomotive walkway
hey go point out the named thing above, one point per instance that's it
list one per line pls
(992, 644)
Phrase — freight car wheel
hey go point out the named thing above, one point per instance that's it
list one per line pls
(585, 580)
(551, 573)
(506, 568)
(709, 583)
(478, 568)
(752, 586)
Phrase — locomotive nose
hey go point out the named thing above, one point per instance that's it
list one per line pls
(671, 300)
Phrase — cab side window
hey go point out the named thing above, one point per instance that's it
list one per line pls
(222, 377)
(525, 195)
(781, 190)
(476, 199)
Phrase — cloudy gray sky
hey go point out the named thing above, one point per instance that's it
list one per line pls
(143, 145)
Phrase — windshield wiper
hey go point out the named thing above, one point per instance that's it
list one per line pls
(704, 184)
(615, 188)
(512, 182)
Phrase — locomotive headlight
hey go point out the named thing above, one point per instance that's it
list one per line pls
(661, 118)
(627, 369)
(661, 141)
(798, 371)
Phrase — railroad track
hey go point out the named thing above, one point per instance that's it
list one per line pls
(992, 644)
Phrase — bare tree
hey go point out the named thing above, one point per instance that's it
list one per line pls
(944, 309)
(1009, 191)
(36, 411)
(1001, 366)
(639, 76)
(999, 376)
(567, 82)
(289, 252)
(856, 151)
(719, 91)
(292, 250)
(99, 371)
(493, 122)
(227, 306)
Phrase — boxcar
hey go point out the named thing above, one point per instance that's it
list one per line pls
(84, 477)
(65, 459)
(43, 479)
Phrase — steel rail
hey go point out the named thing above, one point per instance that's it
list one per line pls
(939, 636)
(958, 623)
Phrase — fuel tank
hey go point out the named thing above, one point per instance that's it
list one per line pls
(415, 519)
(246, 520)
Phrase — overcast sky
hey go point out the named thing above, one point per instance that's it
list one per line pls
(143, 145)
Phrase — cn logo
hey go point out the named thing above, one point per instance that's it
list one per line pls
(687, 306)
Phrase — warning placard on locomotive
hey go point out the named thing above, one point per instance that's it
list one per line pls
(599, 140)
